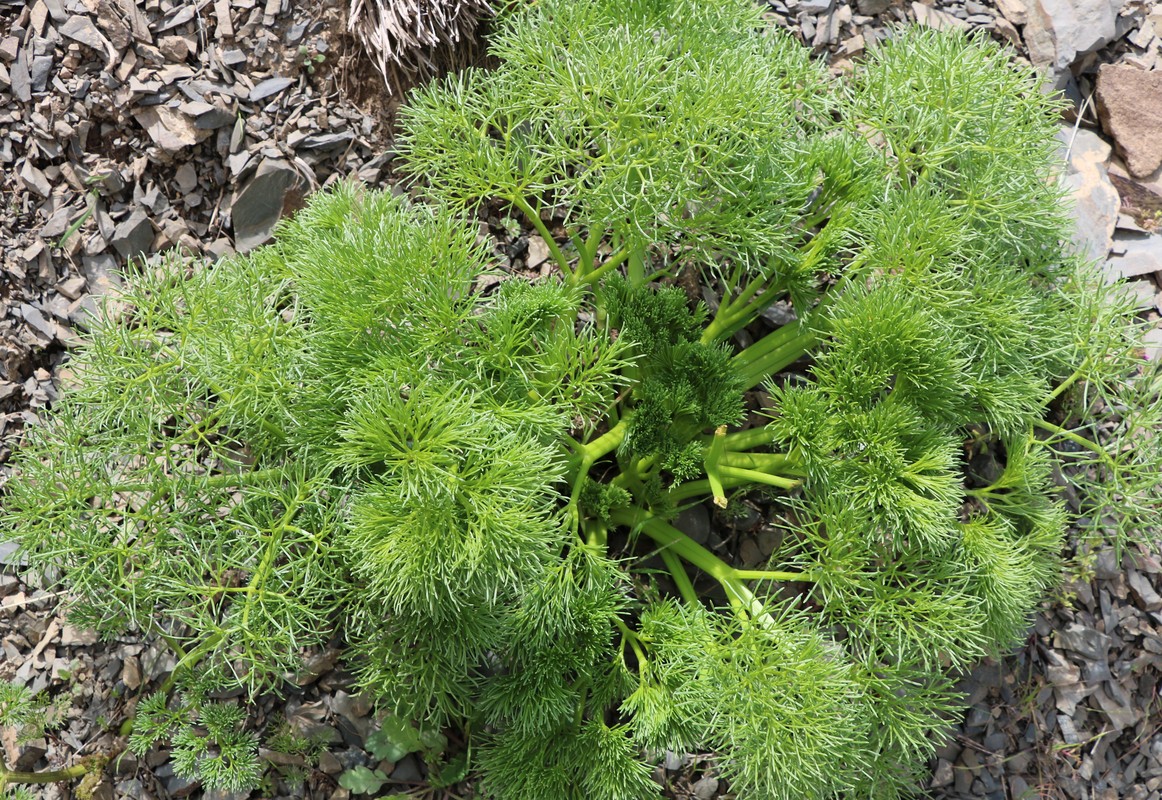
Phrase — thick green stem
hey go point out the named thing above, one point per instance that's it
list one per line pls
(226, 479)
(754, 476)
(773, 341)
(741, 312)
(701, 489)
(612, 263)
(711, 462)
(1077, 439)
(772, 575)
(731, 312)
(554, 249)
(741, 598)
(772, 463)
(12, 776)
(606, 443)
(745, 440)
(636, 268)
(586, 249)
(756, 371)
(1065, 384)
(678, 572)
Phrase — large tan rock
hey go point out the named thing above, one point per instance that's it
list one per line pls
(1095, 200)
(1129, 104)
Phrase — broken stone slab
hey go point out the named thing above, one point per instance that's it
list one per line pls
(35, 180)
(1120, 713)
(114, 26)
(327, 141)
(57, 223)
(1129, 104)
(1141, 586)
(1134, 255)
(1095, 199)
(1058, 31)
(186, 178)
(214, 118)
(538, 251)
(174, 48)
(1014, 11)
(133, 236)
(168, 127)
(72, 288)
(81, 28)
(1089, 642)
(935, 19)
(269, 87)
(39, 72)
(9, 47)
(20, 79)
(1068, 729)
(36, 320)
(258, 206)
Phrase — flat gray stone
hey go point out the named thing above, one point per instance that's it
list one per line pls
(258, 207)
(82, 29)
(1135, 255)
(214, 118)
(1058, 31)
(1120, 713)
(35, 180)
(942, 775)
(1095, 200)
(36, 320)
(705, 788)
(133, 236)
(1142, 587)
(1089, 642)
(694, 522)
(268, 87)
(38, 74)
(21, 81)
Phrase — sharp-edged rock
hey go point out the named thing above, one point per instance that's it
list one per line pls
(936, 19)
(259, 205)
(168, 127)
(1095, 198)
(269, 87)
(133, 237)
(1129, 104)
(1089, 642)
(82, 29)
(1135, 255)
(1058, 31)
(1015, 11)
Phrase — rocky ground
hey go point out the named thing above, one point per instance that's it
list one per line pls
(133, 127)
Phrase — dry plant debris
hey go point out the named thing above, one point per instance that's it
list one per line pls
(414, 39)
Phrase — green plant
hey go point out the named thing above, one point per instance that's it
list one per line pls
(310, 58)
(207, 738)
(336, 432)
(25, 716)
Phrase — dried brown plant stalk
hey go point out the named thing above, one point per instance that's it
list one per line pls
(414, 39)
